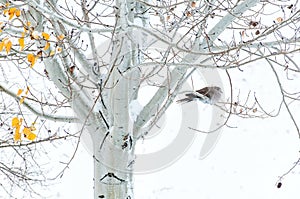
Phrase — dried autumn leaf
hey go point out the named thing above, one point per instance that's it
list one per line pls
(32, 127)
(188, 14)
(243, 33)
(19, 92)
(279, 19)
(253, 23)
(59, 49)
(39, 54)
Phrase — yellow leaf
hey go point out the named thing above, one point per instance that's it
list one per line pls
(52, 53)
(1, 45)
(27, 90)
(31, 136)
(8, 46)
(28, 134)
(47, 46)
(18, 13)
(19, 92)
(15, 122)
(11, 12)
(21, 43)
(17, 135)
(61, 37)
(45, 35)
(5, 11)
(22, 100)
(31, 59)
(26, 131)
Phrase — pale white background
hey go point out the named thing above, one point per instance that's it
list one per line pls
(246, 162)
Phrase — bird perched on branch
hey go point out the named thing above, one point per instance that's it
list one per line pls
(207, 95)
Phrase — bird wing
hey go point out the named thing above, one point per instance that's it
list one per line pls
(203, 91)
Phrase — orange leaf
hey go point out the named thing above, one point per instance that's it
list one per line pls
(31, 136)
(15, 123)
(8, 46)
(1, 45)
(61, 37)
(22, 100)
(52, 53)
(28, 134)
(11, 12)
(21, 43)
(18, 13)
(17, 135)
(27, 90)
(31, 58)
(45, 35)
(19, 92)
(26, 131)
(5, 11)
(47, 46)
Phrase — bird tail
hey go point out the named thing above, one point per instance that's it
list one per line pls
(184, 100)
(189, 97)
